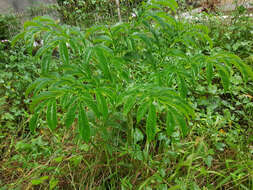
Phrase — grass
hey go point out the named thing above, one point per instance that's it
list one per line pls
(222, 160)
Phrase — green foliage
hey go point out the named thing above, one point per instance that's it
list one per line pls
(84, 128)
(118, 100)
(77, 12)
(9, 26)
(88, 12)
(105, 68)
(151, 123)
(39, 10)
(234, 33)
(17, 71)
(173, 164)
(51, 114)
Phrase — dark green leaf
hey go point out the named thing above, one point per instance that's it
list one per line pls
(17, 38)
(151, 123)
(102, 105)
(182, 86)
(209, 72)
(225, 76)
(168, 3)
(64, 52)
(142, 111)
(170, 124)
(33, 122)
(130, 101)
(182, 123)
(45, 61)
(43, 96)
(84, 128)
(102, 62)
(88, 54)
(71, 114)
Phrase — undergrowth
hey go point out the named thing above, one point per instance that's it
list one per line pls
(151, 104)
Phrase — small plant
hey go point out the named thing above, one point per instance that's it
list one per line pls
(145, 69)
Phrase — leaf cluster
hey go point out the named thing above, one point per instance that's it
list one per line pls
(146, 68)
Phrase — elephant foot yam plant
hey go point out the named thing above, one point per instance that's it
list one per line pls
(143, 71)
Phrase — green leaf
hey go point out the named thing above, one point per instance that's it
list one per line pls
(147, 40)
(91, 105)
(46, 48)
(102, 62)
(53, 183)
(64, 52)
(142, 111)
(43, 96)
(129, 104)
(164, 20)
(86, 64)
(45, 61)
(224, 74)
(71, 114)
(209, 72)
(73, 46)
(93, 30)
(68, 100)
(115, 29)
(204, 37)
(88, 54)
(245, 69)
(151, 123)
(17, 38)
(182, 122)
(182, 86)
(208, 160)
(176, 53)
(51, 114)
(43, 83)
(84, 128)
(167, 3)
(39, 181)
(33, 122)
(40, 107)
(170, 124)
(30, 24)
(102, 105)
(31, 87)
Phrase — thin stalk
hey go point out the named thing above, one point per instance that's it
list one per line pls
(129, 127)
(118, 10)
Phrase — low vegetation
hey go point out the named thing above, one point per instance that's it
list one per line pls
(152, 103)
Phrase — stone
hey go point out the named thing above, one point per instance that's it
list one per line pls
(7, 6)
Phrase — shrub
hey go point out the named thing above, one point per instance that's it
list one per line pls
(88, 12)
(145, 69)
(79, 12)
(234, 33)
(9, 26)
(17, 71)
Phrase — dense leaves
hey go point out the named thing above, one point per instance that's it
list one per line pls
(127, 66)
(118, 100)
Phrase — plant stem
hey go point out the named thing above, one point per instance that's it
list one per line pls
(118, 9)
(129, 127)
